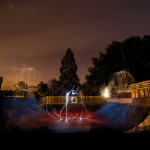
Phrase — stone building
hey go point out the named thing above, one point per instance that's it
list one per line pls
(140, 89)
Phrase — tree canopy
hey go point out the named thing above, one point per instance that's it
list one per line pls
(68, 72)
(42, 89)
(54, 87)
(131, 54)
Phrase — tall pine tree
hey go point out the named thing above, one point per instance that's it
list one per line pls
(68, 71)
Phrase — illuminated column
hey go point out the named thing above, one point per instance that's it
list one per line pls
(137, 93)
(134, 93)
(146, 92)
(141, 93)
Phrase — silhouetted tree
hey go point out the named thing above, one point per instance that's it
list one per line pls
(132, 54)
(68, 69)
(54, 87)
(42, 89)
(21, 88)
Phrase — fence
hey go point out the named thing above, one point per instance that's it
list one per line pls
(76, 99)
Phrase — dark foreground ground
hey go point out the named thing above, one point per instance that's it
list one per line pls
(44, 140)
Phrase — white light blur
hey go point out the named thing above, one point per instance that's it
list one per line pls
(106, 92)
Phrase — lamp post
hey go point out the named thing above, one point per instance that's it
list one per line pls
(1, 80)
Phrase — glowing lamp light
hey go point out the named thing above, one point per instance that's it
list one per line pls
(106, 93)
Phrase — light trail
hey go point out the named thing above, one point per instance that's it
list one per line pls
(64, 114)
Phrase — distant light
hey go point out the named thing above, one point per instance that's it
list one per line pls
(106, 93)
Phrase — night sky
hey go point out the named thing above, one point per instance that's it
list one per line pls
(37, 32)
